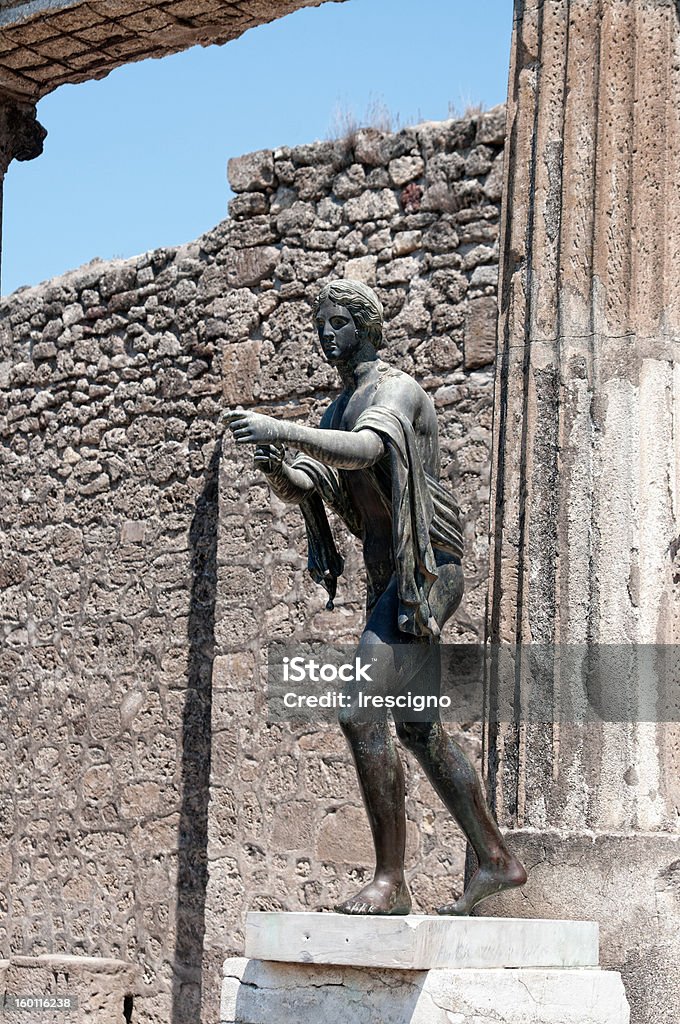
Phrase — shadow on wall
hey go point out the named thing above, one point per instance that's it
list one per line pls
(192, 870)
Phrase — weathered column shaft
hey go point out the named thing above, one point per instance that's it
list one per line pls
(586, 480)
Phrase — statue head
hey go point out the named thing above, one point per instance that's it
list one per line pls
(363, 304)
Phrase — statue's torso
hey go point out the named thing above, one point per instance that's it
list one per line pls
(396, 390)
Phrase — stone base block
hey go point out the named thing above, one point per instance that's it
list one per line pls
(63, 989)
(420, 942)
(257, 992)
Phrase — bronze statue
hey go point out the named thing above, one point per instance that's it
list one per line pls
(374, 460)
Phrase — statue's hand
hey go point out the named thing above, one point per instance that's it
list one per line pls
(252, 427)
(269, 458)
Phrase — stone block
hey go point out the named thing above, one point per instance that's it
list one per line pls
(344, 837)
(99, 987)
(350, 183)
(400, 271)
(485, 277)
(254, 991)
(248, 204)
(292, 828)
(247, 267)
(241, 370)
(371, 206)
(251, 172)
(420, 942)
(439, 198)
(493, 185)
(406, 242)
(362, 269)
(295, 219)
(480, 332)
(370, 147)
(491, 127)
(405, 169)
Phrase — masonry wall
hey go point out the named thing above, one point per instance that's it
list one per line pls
(144, 568)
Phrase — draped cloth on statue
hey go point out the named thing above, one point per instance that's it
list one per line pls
(424, 516)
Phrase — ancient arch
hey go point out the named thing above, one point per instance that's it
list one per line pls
(48, 43)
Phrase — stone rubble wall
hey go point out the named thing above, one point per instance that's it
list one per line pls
(126, 570)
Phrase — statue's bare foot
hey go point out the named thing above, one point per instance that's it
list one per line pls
(381, 896)
(487, 881)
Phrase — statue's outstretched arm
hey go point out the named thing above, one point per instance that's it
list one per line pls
(340, 448)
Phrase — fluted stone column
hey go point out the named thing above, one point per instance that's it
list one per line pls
(586, 482)
(21, 137)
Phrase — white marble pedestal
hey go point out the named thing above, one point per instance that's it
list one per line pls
(334, 969)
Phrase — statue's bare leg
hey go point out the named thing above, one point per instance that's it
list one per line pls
(381, 779)
(456, 782)
(380, 773)
(447, 766)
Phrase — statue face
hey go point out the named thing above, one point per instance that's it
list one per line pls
(338, 335)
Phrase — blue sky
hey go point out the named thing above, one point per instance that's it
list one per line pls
(138, 160)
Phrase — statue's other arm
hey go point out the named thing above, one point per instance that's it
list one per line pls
(288, 483)
(339, 448)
